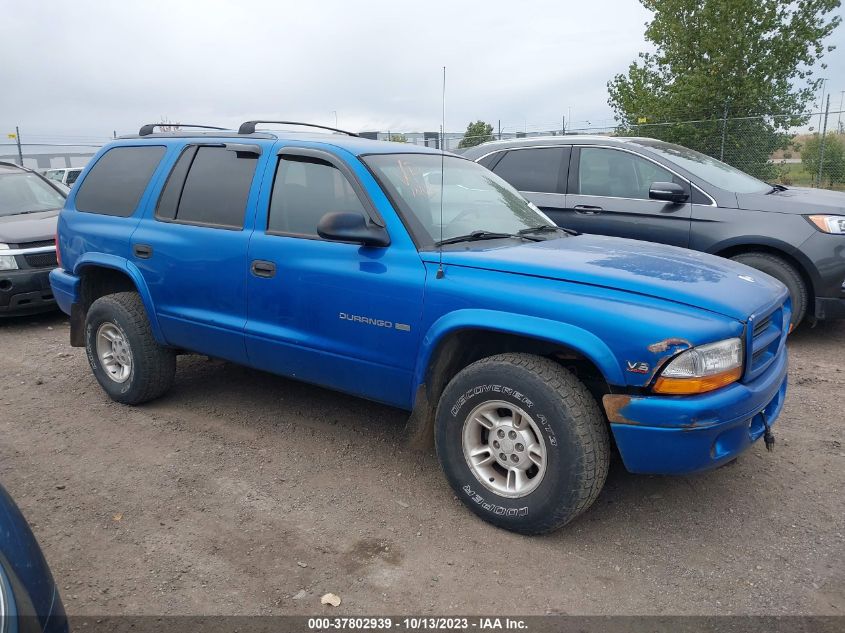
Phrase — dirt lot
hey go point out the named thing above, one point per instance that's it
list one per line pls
(244, 493)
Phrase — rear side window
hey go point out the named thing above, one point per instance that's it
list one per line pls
(539, 170)
(117, 181)
(304, 191)
(209, 186)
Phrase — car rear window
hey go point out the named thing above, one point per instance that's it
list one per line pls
(117, 181)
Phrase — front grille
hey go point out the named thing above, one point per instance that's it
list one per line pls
(767, 334)
(40, 244)
(761, 326)
(42, 260)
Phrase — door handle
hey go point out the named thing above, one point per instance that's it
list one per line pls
(261, 268)
(587, 209)
(142, 251)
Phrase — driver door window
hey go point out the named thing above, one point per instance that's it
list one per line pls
(305, 189)
(616, 174)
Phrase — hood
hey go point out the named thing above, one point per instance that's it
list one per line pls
(797, 200)
(666, 272)
(28, 227)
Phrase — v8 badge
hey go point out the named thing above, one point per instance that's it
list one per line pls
(637, 368)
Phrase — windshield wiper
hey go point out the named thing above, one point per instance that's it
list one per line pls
(776, 188)
(476, 236)
(545, 228)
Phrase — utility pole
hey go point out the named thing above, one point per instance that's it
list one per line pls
(18, 139)
(821, 144)
(839, 119)
(500, 129)
(821, 102)
(562, 125)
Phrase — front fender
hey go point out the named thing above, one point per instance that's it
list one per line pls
(571, 336)
(104, 260)
(736, 244)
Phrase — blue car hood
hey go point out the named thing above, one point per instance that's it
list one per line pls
(676, 274)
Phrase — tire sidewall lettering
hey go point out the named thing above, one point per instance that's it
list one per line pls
(514, 394)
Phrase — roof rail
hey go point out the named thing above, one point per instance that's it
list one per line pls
(248, 127)
(147, 129)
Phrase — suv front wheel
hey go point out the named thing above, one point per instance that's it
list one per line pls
(522, 442)
(127, 361)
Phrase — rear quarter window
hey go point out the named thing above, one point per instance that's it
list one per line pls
(117, 181)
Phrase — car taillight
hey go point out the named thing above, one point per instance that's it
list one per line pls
(58, 252)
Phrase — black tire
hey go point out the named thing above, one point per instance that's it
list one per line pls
(153, 367)
(785, 273)
(567, 416)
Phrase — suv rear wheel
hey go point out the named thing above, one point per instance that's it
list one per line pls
(522, 442)
(126, 359)
(785, 273)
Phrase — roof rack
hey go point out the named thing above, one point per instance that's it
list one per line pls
(248, 127)
(147, 129)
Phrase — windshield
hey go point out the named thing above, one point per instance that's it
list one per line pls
(23, 192)
(474, 199)
(708, 169)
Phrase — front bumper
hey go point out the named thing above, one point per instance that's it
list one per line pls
(684, 434)
(25, 291)
(826, 263)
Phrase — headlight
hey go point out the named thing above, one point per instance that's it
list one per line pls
(703, 368)
(829, 223)
(7, 262)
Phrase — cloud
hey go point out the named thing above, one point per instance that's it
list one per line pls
(88, 67)
(93, 67)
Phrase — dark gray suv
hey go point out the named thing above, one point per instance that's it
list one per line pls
(29, 209)
(650, 190)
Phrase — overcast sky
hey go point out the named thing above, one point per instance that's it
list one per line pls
(86, 68)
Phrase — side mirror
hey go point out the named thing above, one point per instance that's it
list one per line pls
(668, 191)
(345, 226)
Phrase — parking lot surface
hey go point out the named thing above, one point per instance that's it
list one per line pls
(243, 493)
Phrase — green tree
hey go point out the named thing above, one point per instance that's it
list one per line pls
(398, 138)
(833, 169)
(476, 134)
(718, 59)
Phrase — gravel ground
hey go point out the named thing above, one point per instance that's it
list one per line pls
(244, 493)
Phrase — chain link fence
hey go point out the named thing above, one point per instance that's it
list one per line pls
(806, 150)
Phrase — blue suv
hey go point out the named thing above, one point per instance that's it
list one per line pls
(424, 281)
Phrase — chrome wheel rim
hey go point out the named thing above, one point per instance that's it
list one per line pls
(504, 448)
(113, 352)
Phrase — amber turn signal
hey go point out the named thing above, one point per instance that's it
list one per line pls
(689, 386)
